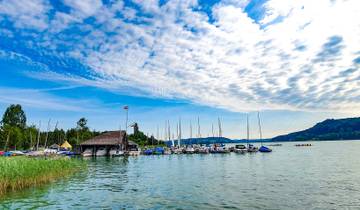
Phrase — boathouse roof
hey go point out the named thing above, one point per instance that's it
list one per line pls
(106, 138)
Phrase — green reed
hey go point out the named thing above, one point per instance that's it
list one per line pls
(17, 173)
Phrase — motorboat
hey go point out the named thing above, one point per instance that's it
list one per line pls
(167, 151)
(148, 152)
(134, 152)
(264, 149)
(87, 153)
(203, 150)
(240, 149)
(189, 150)
(101, 152)
(252, 148)
(50, 151)
(17, 153)
(116, 152)
(159, 151)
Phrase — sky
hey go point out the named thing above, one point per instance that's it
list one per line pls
(294, 62)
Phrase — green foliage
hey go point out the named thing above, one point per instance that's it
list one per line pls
(14, 134)
(330, 129)
(141, 139)
(14, 116)
(21, 172)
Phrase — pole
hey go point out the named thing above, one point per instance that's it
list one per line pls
(247, 129)
(260, 131)
(199, 135)
(47, 132)
(127, 116)
(38, 137)
(212, 129)
(179, 132)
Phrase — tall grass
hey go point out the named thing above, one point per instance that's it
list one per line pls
(21, 172)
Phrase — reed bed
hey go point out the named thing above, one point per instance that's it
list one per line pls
(17, 173)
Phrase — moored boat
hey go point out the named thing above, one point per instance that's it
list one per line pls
(189, 150)
(100, 152)
(264, 149)
(114, 152)
(240, 149)
(87, 153)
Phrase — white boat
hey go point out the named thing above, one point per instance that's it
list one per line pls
(167, 151)
(50, 151)
(189, 150)
(252, 148)
(240, 149)
(203, 150)
(116, 152)
(101, 152)
(134, 153)
(17, 153)
(87, 153)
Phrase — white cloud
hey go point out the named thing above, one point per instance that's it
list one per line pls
(235, 63)
(26, 13)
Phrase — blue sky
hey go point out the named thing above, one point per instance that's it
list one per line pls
(295, 62)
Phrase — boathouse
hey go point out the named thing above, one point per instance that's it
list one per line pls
(108, 140)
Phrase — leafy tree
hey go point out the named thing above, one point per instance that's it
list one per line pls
(14, 116)
(82, 124)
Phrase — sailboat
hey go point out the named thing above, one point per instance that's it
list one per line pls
(262, 148)
(250, 147)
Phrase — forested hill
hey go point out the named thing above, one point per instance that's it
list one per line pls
(346, 129)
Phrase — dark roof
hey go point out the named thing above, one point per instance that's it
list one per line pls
(106, 138)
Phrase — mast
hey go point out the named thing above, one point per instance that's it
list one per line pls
(247, 129)
(169, 135)
(220, 131)
(179, 137)
(47, 132)
(212, 129)
(199, 134)
(260, 131)
(38, 137)
(190, 130)
(157, 132)
(165, 131)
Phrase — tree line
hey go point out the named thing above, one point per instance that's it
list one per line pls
(16, 134)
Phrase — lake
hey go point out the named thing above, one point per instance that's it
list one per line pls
(324, 176)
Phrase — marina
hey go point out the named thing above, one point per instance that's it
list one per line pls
(213, 181)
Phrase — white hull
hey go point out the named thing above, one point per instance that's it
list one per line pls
(134, 153)
(100, 153)
(116, 153)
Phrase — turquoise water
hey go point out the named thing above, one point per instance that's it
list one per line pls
(324, 176)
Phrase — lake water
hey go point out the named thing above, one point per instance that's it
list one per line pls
(324, 176)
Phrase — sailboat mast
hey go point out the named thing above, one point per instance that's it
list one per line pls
(190, 130)
(199, 135)
(212, 129)
(47, 132)
(179, 132)
(220, 131)
(38, 137)
(247, 129)
(260, 131)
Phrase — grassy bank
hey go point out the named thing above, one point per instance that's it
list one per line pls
(17, 173)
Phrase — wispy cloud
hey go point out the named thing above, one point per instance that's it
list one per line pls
(236, 55)
(42, 99)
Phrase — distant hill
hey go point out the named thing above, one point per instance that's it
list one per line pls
(331, 129)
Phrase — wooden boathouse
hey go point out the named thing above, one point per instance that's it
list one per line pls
(107, 140)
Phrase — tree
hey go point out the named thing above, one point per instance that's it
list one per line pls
(82, 124)
(14, 116)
